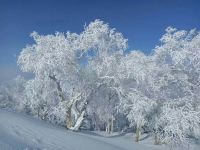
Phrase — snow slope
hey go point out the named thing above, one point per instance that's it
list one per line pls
(21, 132)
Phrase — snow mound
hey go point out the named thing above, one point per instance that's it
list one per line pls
(21, 132)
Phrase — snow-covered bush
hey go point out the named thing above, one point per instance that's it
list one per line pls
(12, 94)
(178, 123)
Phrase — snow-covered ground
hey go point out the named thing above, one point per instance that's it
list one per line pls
(21, 132)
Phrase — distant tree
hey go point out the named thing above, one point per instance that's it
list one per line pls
(12, 94)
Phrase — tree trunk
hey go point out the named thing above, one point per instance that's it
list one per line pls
(156, 139)
(38, 112)
(108, 127)
(69, 118)
(138, 133)
(79, 122)
(74, 116)
(95, 123)
(112, 124)
(70, 122)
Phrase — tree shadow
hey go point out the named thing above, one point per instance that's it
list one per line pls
(91, 133)
(99, 135)
(145, 137)
(119, 135)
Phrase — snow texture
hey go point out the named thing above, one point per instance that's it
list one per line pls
(21, 132)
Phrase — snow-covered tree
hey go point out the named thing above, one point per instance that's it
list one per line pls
(12, 94)
(177, 85)
(54, 60)
(137, 100)
(178, 122)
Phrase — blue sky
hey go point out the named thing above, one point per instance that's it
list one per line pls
(141, 21)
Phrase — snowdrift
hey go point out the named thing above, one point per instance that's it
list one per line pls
(21, 132)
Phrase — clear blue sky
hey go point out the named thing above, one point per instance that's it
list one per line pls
(141, 21)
